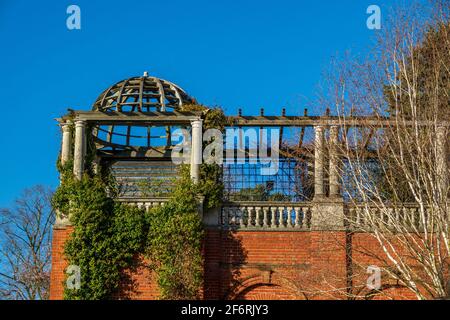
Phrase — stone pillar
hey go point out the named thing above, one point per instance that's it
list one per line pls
(196, 150)
(66, 148)
(441, 161)
(80, 148)
(318, 163)
(334, 162)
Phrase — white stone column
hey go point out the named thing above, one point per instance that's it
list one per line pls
(318, 162)
(79, 149)
(441, 161)
(196, 150)
(334, 162)
(66, 149)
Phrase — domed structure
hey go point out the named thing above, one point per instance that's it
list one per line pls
(143, 94)
(147, 96)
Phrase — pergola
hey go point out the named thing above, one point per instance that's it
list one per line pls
(147, 102)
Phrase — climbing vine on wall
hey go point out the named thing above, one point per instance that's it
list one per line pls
(108, 235)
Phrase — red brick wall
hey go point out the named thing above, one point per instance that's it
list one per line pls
(137, 282)
(259, 265)
(59, 265)
(287, 265)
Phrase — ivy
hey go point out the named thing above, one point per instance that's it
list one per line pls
(107, 235)
(105, 238)
(174, 242)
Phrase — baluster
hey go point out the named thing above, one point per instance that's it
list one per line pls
(258, 217)
(242, 222)
(237, 220)
(277, 217)
(297, 217)
(381, 218)
(281, 211)
(273, 219)
(412, 214)
(391, 217)
(404, 217)
(265, 217)
(231, 216)
(252, 216)
(249, 216)
(358, 216)
(419, 217)
(289, 218)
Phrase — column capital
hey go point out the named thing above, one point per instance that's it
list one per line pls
(196, 122)
(334, 127)
(65, 126)
(80, 123)
(319, 127)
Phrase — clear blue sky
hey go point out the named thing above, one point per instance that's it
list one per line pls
(234, 54)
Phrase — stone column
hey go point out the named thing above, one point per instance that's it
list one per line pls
(318, 163)
(80, 148)
(196, 150)
(334, 162)
(66, 149)
(441, 161)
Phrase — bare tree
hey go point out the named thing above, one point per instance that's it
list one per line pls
(394, 166)
(25, 246)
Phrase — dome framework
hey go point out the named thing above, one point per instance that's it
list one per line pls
(145, 94)
(142, 94)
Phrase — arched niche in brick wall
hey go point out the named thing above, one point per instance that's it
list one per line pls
(266, 285)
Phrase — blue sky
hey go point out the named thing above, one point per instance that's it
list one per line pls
(246, 54)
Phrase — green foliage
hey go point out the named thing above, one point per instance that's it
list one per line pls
(211, 186)
(155, 187)
(174, 242)
(257, 193)
(215, 118)
(105, 238)
(192, 107)
(107, 235)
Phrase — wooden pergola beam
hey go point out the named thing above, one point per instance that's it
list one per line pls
(294, 121)
(184, 118)
(135, 118)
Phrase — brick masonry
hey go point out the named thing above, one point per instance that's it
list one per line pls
(261, 265)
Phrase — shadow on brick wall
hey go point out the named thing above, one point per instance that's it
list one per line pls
(224, 258)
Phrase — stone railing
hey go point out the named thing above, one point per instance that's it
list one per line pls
(408, 215)
(146, 203)
(266, 215)
(287, 216)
